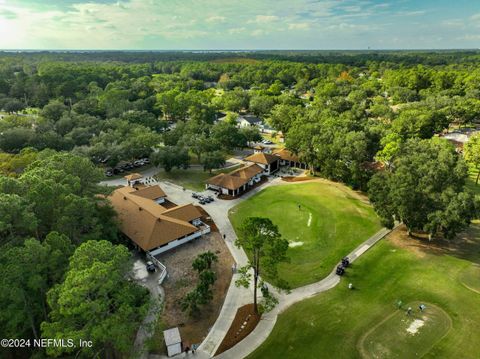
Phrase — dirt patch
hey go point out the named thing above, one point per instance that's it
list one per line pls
(243, 324)
(296, 179)
(182, 278)
(466, 245)
(400, 239)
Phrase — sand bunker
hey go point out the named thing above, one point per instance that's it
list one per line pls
(295, 244)
(416, 324)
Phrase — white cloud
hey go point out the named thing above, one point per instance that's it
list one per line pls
(258, 32)
(260, 19)
(236, 30)
(213, 19)
(475, 17)
(299, 26)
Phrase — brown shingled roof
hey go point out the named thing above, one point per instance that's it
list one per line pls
(227, 181)
(237, 178)
(187, 212)
(247, 171)
(147, 223)
(286, 155)
(263, 158)
(150, 192)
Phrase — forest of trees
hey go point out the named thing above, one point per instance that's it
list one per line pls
(370, 120)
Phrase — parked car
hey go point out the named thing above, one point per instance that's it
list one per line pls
(195, 195)
(340, 270)
(109, 173)
(146, 160)
(138, 163)
(150, 267)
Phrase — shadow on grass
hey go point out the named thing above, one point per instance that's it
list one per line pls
(465, 246)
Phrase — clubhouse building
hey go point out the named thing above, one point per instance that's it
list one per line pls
(260, 165)
(152, 223)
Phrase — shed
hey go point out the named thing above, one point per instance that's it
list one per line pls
(173, 341)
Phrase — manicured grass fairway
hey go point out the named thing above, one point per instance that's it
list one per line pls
(331, 222)
(332, 324)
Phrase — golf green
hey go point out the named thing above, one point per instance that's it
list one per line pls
(323, 221)
(406, 336)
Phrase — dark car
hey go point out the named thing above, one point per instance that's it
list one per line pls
(195, 195)
(345, 262)
(150, 267)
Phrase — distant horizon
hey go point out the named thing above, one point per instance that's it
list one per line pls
(242, 50)
(141, 25)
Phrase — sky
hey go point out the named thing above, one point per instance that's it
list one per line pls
(239, 24)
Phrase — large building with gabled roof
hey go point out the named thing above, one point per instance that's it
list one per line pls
(270, 163)
(236, 182)
(150, 224)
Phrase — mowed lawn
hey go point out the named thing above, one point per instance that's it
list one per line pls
(191, 178)
(343, 323)
(331, 221)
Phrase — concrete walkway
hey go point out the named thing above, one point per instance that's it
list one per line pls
(149, 281)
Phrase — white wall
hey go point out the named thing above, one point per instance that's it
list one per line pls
(179, 242)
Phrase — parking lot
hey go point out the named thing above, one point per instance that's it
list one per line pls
(123, 167)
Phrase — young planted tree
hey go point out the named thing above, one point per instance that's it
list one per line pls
(202, 293)
(204, 261)
(472, 153)
(262, 241)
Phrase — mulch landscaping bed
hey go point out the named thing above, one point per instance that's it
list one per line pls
(182, 278)
(243, 324)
